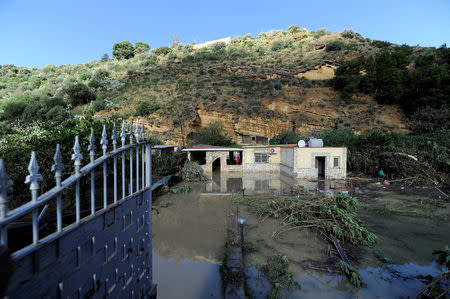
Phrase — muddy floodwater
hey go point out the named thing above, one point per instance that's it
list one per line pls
(189, 234)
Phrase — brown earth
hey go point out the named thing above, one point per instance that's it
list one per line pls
(301, 110)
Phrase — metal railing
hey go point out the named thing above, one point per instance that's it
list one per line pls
(38, 205)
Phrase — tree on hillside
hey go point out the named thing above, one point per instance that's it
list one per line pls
(123, 50)
(105, 57)
(212, 134)
(175, 41)
(141, 47)
(79, 93)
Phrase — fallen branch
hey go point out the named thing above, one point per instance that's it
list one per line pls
(444, 276)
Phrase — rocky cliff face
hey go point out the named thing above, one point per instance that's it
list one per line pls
(300, 109)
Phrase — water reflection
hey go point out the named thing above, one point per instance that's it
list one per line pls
(263, 183)
(189, 233)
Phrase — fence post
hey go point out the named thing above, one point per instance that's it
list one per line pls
(148, 198)
(104, 143)
(4, 180)
(91, 149)
(114, 143)
(58, 168)
(131, 159)
(143, 154)
(123, 136)
(138, 131)
(33, 179)
(77, 157)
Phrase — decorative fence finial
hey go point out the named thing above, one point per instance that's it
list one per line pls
(123, 134)
(114, 137)
(77, 156)
(137, 131)
(104, 141)
(131, 132)
(143, 131)
(58, 167)
(34, 177)
(91, 147)
(4, 186)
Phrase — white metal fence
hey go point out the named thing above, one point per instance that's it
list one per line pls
(131, 163)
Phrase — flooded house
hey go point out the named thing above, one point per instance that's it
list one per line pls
(310, 161)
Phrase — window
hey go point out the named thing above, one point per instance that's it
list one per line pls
(246, 139)
(336, 162)
(261, 158)
(261, 140)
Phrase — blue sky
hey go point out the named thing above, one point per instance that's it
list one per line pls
(38, 33)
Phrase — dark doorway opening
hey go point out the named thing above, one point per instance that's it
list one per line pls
(216, 164)
(199, 157)
(320, 165)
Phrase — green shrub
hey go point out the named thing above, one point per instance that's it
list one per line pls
(212, 134)
(286, 137)
(84, 76)
(13, 110)
(6, 128)
(79, 93)
(348, 33)
(429, 119)
(57, 114)
(192, 172)
(142, 109)
(162, 51)
(99, 104)
(334, 45)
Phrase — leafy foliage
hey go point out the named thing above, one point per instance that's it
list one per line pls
(212, 134)
(123, 50)
(443, 256)
(331, 216)
(276, 271)
(285, 137)
(192, 172)
(141, 47)
(176, 189)
(79, 93)
(351, 273)
(399, 75)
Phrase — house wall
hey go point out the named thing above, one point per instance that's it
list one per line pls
(287, 160)
(248, 160)
(211, 156)
(305, 168)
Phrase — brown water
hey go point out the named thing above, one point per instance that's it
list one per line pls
(189, 232)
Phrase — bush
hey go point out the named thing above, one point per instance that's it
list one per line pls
(212, 134)
(99, 104)
(348, 33)
(334, 45)
(192, 172)
(142, 109)
(285, 137)
(13, 110)
(164, 163)
(79, 93)
(123, 50)
(6, 128)
(57, 114)
(429, 119)
(162, 51)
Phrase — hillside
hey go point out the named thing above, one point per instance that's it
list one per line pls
(281, 80)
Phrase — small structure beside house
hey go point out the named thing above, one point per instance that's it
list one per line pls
(310, 163)
(211, 157)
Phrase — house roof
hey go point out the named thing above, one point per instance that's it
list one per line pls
(206, 147)
(283, 145)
